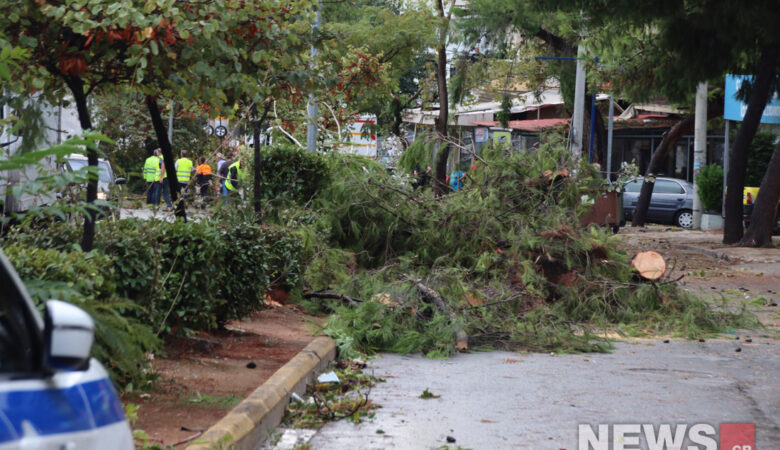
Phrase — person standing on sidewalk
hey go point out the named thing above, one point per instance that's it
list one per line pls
(222, 174)
(183, 171)
(203, 179)
(234, 178)
(151, 174)
(166, 190)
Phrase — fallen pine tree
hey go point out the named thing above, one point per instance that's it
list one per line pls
(502, 263)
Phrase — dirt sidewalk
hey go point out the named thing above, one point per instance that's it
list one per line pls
(204, 376)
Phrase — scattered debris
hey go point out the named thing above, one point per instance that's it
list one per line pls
(329, 377)
(426, 394)
(343, 393)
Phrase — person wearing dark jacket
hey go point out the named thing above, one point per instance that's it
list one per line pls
(222, 174)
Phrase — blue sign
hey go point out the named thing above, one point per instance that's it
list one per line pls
(734, 109)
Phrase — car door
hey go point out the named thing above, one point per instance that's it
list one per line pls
(630, 197)
(668, 197)
(76, 409)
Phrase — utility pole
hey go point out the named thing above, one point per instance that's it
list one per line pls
(609, 137)
(170, 125)
(699, 148)
(579, 105)
(311, 129)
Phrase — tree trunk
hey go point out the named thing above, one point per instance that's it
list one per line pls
(257, 125)
(440, 184)
(763, 219)
(76, 86)
(670, 138)
(167, 152)
(735, 181)
(599, 138)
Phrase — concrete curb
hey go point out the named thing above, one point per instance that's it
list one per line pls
(248, 424)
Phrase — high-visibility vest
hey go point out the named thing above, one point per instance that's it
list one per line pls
(183, 170)
(152, 169)
(203, 169)
(239, 176)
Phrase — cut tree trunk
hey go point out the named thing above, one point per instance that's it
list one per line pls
(763, 219)
(167, 152)
(670, 138)
(735, 181)
(461, 338)
(76, 86)
(650, 265)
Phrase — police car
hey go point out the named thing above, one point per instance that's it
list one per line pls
(52, 394)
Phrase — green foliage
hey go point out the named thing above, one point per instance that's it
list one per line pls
(506, 254)
(199, 275)
(761, 150)
(357, 211)
(418, 155)
(147, 278)
(256, 259)
(710, 184)
(290, 174)
(506, 110)
(89, 281)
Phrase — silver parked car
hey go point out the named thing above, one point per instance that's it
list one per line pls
(671, 202)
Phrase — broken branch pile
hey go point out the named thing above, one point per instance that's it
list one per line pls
(502, 263)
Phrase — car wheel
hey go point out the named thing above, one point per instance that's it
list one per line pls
(684, 219)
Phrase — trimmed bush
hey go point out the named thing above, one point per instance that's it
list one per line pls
(289, 173)
(256, 259)
(710, 184)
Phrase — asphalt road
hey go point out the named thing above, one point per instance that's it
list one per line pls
(502, 400)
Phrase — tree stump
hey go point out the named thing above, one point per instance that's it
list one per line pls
(650, 265)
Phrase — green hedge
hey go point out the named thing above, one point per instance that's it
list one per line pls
(199, 275)
(90, 281)
(289, 173)
(710, 183)
(148, 278)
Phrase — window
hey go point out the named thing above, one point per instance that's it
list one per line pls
(16, 346)
(103, 168)
(633, 186)
(667, 187)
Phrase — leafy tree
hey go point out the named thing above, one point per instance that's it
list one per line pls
(402, 53)
(85, 45)
(701, 42)
(516, 32)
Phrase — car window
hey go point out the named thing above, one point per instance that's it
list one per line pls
(104, 174)
(667, 187)
(633, 186)
(17, 346)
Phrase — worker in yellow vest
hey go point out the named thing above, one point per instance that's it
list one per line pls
(234, 178)
(163, 182)
(183, 171)
(151, 175)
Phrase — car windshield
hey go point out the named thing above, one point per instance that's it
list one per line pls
(105, 174)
